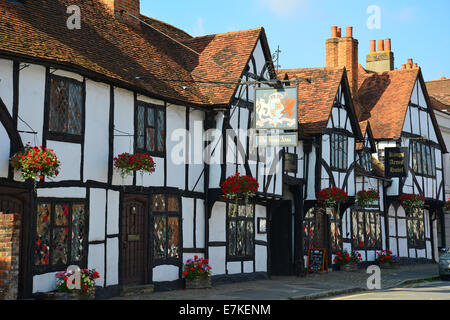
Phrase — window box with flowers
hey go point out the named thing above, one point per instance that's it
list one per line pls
(331, 197)
(365, 198)
(36, 163)
(411, 201)
(197, 273)
(386, 259)
(347, 261)
(127, 164)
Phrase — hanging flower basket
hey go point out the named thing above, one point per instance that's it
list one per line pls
(239, 187)
(365, 198)
(197, 273)
(128, 163)
(331, 197)
(411, 201)
(35, 163)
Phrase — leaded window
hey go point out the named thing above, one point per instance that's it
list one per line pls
(66, 98)
(60, 234)
(335, 230)
(423, 159)
(241, 232)
(365, 160)
(339, 147)
(150, 128)
(309, 230)
(366, 230)
(166, 227)
(416, 228)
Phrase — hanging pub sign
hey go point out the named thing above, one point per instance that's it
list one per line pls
(396, 162)
(276, 108)
(277, 140)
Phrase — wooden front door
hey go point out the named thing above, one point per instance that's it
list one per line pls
(321, 221)
(134, 240)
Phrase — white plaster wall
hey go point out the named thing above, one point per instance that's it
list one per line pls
(403, 247)
(217, 223)
(124, 121)
(248, 267)
(188, 222)
(150, 100)
(67, 74)
(72, 192)
(6, 83)
(31, 103)
(96, 260)
(215, 136)
(165, 273)
(260, 258)
(196, 146)
(393, 246)
(69, 155)
(113, 212)
(200, 224)
(112, 258)
(176, 146)
(234, 267)
(44, 282)
(97, 209)
(96, 149)
(217, 260)
(4, 152)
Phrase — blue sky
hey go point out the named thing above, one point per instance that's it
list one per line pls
(419, 29)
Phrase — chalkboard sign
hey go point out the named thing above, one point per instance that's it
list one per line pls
(317, 260)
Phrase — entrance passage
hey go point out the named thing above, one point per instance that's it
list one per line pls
(281, 259)
(134, 240)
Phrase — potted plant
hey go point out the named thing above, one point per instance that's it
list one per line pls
(386, 260)
(331, 197)
(348, 261)
(411, 201)
(128, 163)
(197, 273)
(36, 163)
(84, 290)
(366, 197)
(239, 187)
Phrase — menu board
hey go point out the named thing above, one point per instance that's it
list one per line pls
(317, 260)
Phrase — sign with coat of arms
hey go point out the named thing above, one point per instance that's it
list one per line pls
(276, 108)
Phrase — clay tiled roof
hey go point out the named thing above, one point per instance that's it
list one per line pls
(383, 98)
(106, 49)
(317, 89)
(440, 90)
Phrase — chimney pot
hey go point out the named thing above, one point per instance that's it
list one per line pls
(403, 66)
(415, 65)
(339, 30)
(410, 61)
(380, 45)
(349, 32)
(373, 46)
(409, 66)
(334, 31)
(387, 44)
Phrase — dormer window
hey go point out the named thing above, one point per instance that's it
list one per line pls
(423, 159)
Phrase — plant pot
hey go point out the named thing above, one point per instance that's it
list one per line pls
(386, 265)
(75, 295)
(349, 267)
(198, 283)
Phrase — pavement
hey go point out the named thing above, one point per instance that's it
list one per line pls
(310, 287)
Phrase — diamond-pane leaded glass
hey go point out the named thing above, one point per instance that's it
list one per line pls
(159, 237)
(173, 204)
(61, 214)
(60, 247)
(66, 106)
(140, 127)
(160, 135)
(159, 203)
(42, 245)
(172, 246)
(78, 231)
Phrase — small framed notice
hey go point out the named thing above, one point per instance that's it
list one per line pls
(262, 225)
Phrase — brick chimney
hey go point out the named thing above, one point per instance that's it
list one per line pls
(380, 60)
(343, 52)
(122, 10)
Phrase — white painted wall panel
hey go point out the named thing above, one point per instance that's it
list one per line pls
(97, 209)
(123, 121)
(69, 155)
(196, 144)
(113, 212)
(234, 267)
(6, 83)
(176, 146)
(412, 253)
(31, 103)
(96, 149)
(217, 222)
(71, 192)
(188, 222)
(403, 247)
(5, 147)
(248, 267)
(165, 273)
(393, 246)
(44, 282)
(96, 260)
(112, 259)
(217, 260)
(260, 258)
